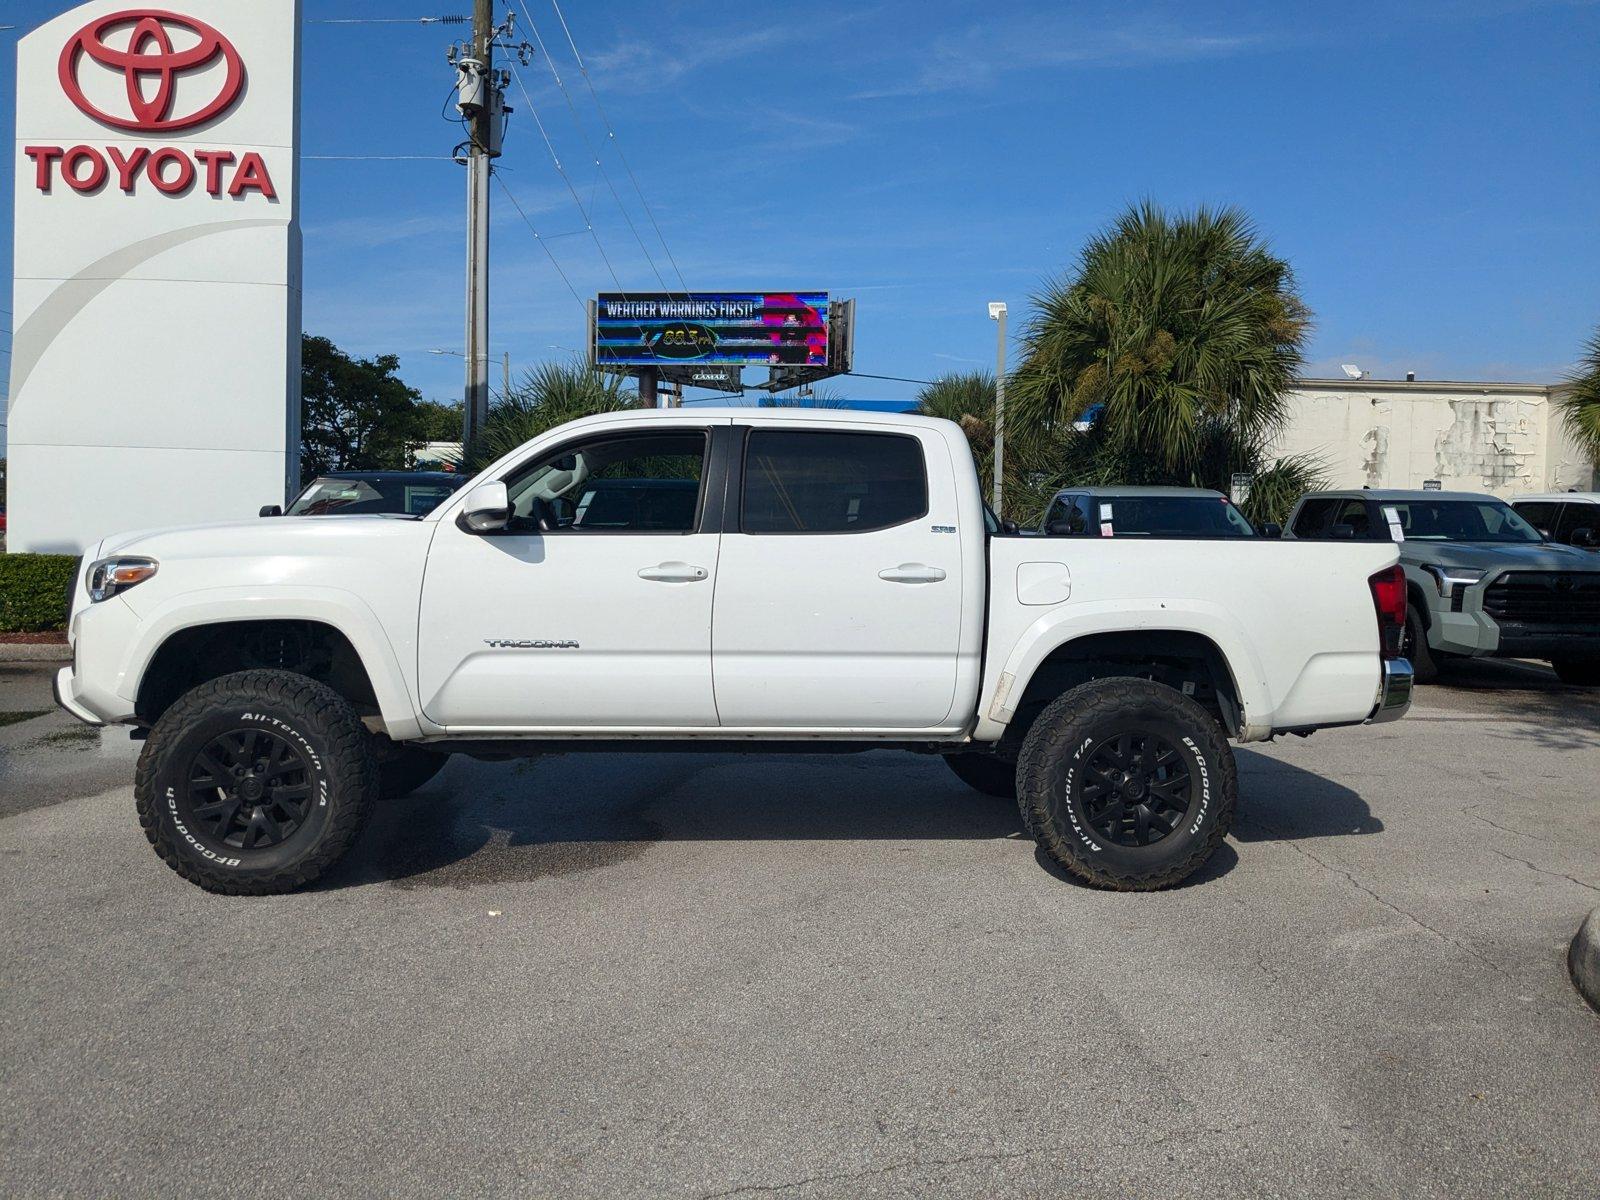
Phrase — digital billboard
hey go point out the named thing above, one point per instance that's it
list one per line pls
(661, 329)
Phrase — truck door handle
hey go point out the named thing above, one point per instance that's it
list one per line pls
(673, 572)
(912, 573)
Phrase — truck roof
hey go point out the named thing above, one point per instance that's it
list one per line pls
(1560, 497)
(1131, 491)
(1396, 494)
(821, 416)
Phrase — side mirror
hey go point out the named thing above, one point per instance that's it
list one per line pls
(1060, 528)
(271, 510)
(487, 509)
(1010, 526)
(1270, 529)
(1345, 533)
(1586, 537)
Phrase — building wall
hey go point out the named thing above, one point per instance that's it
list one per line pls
(1493, 437)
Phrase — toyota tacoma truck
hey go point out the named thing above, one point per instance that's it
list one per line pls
(1481, 581)
(727, 580)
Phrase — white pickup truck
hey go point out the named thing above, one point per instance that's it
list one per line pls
(740, 579)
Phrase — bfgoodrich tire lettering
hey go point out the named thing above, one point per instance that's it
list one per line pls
(256, 782)
(1128, 784)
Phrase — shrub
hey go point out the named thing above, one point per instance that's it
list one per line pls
(33, 591)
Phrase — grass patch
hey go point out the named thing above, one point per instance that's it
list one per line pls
(16, 718)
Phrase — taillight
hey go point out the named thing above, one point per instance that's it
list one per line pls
(1389, 598)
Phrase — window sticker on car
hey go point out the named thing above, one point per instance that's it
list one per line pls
(1391, 514)
(1106, 529)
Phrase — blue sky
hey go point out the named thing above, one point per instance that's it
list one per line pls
(1430, 169)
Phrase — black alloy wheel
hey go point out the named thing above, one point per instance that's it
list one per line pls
(1137, 788)
(249, 789)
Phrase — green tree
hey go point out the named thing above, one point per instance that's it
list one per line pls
(546, 396)
(356, 414)
(1579, 404)
(1039, 458)
(1180, 337)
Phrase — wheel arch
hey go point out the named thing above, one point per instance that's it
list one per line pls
(324, 638)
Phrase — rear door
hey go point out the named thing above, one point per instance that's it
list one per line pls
(839, 587)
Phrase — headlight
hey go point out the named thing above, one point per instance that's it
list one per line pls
(111, 576)
(1448, 578)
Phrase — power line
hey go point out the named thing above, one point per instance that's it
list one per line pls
(529, 223)
(562, 171)
(378, 157)
(383, 21)
(588, 145)
(611, 133)
(891, 378)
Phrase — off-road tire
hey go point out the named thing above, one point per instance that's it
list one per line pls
(1580, 672)
(990, 774)
(403, 769)
(1052, 771)
(1424, 667)
(315, 722)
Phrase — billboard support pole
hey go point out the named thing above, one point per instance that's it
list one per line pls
(648, 393)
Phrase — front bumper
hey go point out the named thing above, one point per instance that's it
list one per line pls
(61, 687)
(1394, 692)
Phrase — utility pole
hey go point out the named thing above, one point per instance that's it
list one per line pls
(505, 375)
(997, 312)
(480, 98)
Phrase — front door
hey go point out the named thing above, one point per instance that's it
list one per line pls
(593, 608)
(840, 586)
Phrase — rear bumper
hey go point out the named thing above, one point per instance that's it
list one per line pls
(1394, 692)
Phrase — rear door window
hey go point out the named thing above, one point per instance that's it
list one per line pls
(1575, 516)
(1541, 514)
(816, 481)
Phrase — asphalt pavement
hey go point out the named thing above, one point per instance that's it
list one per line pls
(694, 975)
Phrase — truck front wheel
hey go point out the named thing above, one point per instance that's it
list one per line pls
(1129, 785)
(256, 782)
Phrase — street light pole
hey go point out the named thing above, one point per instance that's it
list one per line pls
(997, 312)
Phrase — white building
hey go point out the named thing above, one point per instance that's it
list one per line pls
(1504, 438)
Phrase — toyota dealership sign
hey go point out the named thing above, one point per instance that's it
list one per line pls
(156, 310)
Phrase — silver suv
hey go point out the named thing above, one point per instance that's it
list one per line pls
(1481, 580)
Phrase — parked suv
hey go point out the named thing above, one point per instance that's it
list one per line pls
(1481, 580)
(1161, 512)
(1570, 517)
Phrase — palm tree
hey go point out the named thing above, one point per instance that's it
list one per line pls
(1580, 403)
(1183, 333)
(548, 395)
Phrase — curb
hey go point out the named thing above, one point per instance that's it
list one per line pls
(15, 652)
(1583, 959)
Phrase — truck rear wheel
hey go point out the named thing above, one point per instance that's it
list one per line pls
(987, 773)
(1129, 785)
(256, 782)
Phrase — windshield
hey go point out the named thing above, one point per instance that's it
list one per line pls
(1171, 517)
(395, 494)
(1461, 521)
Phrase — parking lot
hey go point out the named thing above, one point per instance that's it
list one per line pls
(677, 974)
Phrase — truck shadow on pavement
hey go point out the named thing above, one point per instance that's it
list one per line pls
(1552, 715)
(488, 823)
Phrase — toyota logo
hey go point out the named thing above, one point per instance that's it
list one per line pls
(151, 68)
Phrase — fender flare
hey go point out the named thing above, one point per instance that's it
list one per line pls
(342, 610)
(1062, 626)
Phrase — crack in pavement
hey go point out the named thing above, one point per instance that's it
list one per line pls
(1542, 870)
(962, 1159)
(1469, 951)
(1472, 811)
